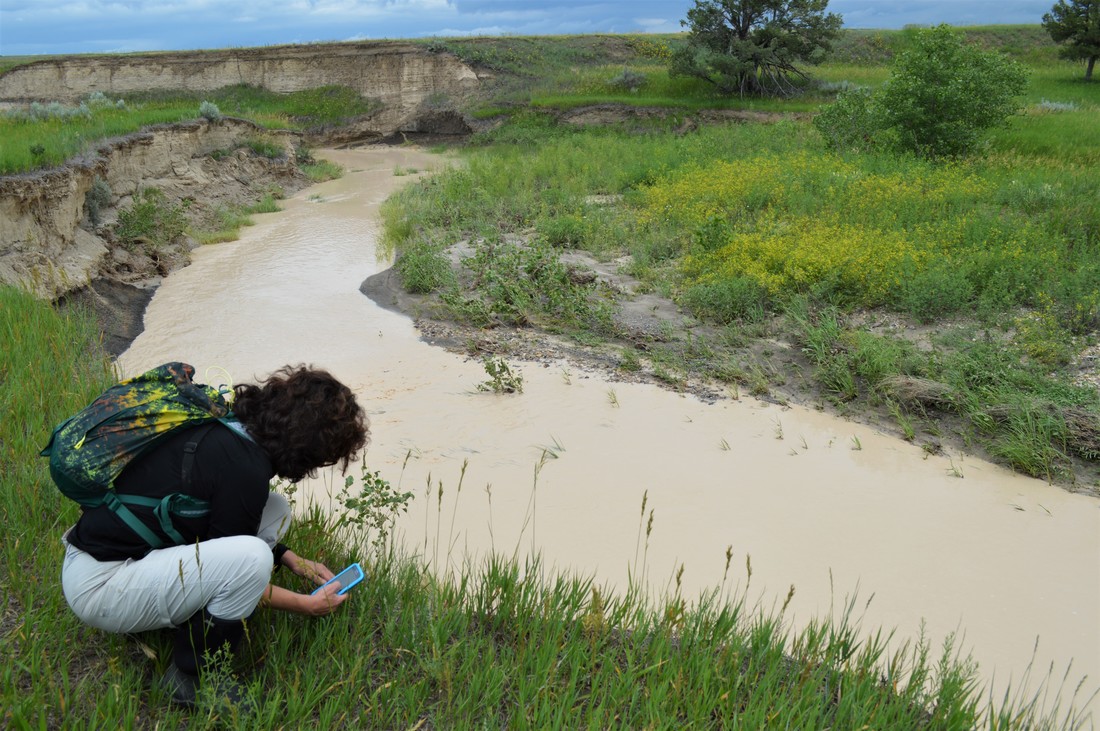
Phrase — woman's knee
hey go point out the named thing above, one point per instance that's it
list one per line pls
(255, 558)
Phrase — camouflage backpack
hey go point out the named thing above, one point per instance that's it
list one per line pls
(89, 450)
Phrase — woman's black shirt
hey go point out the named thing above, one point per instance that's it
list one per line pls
(229, 471)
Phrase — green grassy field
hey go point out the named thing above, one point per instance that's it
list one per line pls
(756, 229)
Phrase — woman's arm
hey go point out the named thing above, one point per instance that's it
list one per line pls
(315, 605)
(316, 572)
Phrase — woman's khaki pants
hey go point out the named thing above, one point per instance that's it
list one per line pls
(226, 576)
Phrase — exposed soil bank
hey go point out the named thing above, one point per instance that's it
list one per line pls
(53, 244)
(403, 78)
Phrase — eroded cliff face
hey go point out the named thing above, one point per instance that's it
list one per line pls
(48, 243)
(403, 77)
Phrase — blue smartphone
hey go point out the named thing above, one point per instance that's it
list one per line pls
(347, 578)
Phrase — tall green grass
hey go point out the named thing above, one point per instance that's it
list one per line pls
(50, 366)
(1055, 135)
(37, 144)
(32, 144)
(498, 643)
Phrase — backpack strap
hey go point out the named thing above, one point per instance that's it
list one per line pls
(177, 503)
(189, 450)
(117, 503)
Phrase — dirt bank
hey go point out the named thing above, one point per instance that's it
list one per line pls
(406, 80)
(61, 247)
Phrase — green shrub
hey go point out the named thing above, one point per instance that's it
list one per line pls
(628, 80)
(940, 290)
(99, 100)
(1076, 299)
(521, 284)
(424, 269)
(851, 122)
(38, 112)
(941, 95)
(151, 222)
(1042, 338)
(96, 199)
(502, 379)
(565, 231)
(209, 111)
(727, 300)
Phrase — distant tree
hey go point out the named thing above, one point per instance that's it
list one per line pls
(941, 95)
(1076, 24)
(752, 46)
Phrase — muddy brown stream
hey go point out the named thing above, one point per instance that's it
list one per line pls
(831, 507)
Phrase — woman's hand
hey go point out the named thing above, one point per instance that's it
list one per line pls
(323, 602)
(314, 571)
(315, 605)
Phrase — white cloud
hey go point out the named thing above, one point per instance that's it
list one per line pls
(495, 30)
(658, 25)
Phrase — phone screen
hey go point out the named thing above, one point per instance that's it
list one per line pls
(347, 578)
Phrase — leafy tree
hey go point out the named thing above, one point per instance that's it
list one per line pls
(941, 95)
(1077, 24)
(752, 46)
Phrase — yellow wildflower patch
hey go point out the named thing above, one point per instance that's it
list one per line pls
(732, 189)
(860, 261)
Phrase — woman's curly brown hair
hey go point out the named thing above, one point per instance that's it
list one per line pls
(304, 419)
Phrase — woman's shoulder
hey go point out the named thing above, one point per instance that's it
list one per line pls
(234, 450)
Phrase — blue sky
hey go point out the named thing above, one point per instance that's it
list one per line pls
(29, 27)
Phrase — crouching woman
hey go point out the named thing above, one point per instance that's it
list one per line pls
(296, 421)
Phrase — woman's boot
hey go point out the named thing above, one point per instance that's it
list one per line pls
(194, 644)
